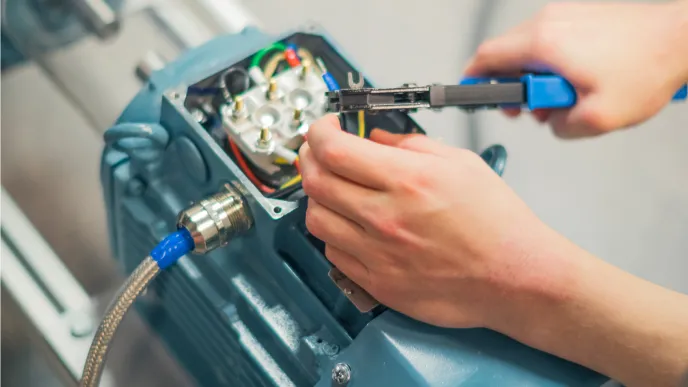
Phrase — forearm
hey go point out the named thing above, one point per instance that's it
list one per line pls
(610, 321)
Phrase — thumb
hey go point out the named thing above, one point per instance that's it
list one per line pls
(413, 142)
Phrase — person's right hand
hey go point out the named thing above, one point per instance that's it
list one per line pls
(626, 61)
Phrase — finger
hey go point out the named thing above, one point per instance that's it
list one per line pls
(541, 115)
(340, 195)
(565, 126)
(335, 230)
(351, 266)
(511, 112)
(413, 142)
(509, 53)
(359, 160)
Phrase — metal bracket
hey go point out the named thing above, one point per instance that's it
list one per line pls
(45, 291)
(363, 301)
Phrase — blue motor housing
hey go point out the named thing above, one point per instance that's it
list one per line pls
(33, 27)
(263, 311)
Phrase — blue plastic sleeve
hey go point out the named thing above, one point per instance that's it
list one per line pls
(331, 83)
(549, 91)
(173, 247)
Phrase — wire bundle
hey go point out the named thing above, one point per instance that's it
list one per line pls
(260, 71)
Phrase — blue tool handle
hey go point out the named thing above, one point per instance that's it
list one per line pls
(549, 91)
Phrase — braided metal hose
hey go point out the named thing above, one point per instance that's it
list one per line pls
(137, 282)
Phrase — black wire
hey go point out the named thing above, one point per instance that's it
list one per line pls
(286, 193)
(228, 86)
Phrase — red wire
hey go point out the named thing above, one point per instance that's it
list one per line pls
(244, 167)
(291, 57)
(297, 165)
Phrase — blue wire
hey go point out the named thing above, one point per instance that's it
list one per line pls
(173, 247)
(331, 83)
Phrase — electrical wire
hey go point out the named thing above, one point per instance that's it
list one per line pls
(295, 180)
(306, 55)
(226, 87)
(361, 124)
(138, 281)
(247, 170)
(297, 165)
(166, 253)
(275, 60)
(272, 64)
(291, 56)
(259, 56)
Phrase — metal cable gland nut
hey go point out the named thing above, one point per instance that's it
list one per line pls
(214, 221)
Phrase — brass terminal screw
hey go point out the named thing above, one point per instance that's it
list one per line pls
(272, 89)
(298, 115)
(265, 137)
(298, 118)
(305, 69)
(238, 103)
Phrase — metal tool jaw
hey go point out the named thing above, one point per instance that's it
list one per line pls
(411, 97)
(530, 91)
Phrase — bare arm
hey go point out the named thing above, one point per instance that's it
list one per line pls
(487, 260)
(608, 320)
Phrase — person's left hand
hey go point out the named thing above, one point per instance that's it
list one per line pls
(428, 230)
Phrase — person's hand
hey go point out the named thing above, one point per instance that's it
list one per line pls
(432, 232)
(426, 229)
(626, 61)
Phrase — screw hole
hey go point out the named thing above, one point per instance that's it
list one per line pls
(277, 210)
(319, 341)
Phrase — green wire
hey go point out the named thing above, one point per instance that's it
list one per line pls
(259, 56)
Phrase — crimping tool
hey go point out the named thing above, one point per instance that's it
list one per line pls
(531, 91)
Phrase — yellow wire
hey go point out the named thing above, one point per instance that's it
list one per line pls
(306, 56)
(361, 124)
(295, 180)
(272, 64)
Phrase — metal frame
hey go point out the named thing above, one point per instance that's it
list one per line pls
(51, 299)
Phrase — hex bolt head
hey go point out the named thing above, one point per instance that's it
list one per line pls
(341, 374)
